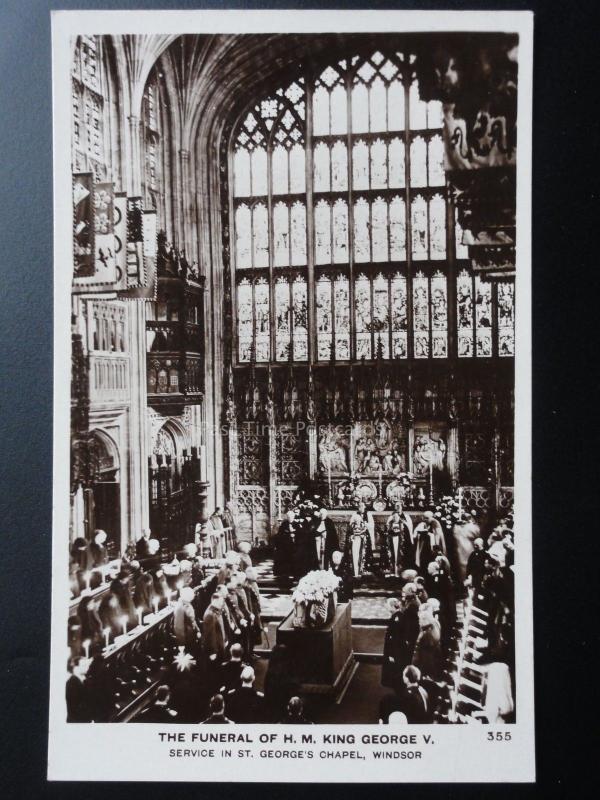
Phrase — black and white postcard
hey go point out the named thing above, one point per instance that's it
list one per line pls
(292, 471)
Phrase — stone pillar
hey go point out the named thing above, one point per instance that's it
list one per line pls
(137, 444)
(272, 454)
(312, 451)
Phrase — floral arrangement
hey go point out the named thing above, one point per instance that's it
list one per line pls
(449, 510)
(316, 586)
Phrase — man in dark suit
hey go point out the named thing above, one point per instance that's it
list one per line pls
(415, 700)
(231, 670)
(142, 546)
(245, 705)
(76, 692)
(216, 712)
(286, 546)
(159, 711)
(401, 637)
(476, 564)
(98, 549)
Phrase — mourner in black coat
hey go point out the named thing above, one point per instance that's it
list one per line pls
(245, 705)
(76, 692)
(401, 637)
(325, 542)
(476, 564)
(159, 710)
(287, 547)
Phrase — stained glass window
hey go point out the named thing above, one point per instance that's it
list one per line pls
(383, 242)
(397, 229)
(464, 314)
(483, 317)
(477, 301)
(437, 227)
(506, 319)
(362, 224)
(399, 318)
(323, 232)
(243, 236)
(282, 319)
(340, 232)
(421, 315)
(245, 316)
(419, 228)
(462, 250)
(341, 305)
(324, 319)
(381, 316)
(300, 318)
(439, 316)
(262, 326)
(362, 316)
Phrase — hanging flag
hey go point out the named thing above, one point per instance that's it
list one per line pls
(83, 230)
(104, 237)
(141, 251)
(135, 262)
(120, 231)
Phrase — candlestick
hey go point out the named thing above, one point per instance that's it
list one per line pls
(431, 472)
(329, 481)
(460, 502)
(86, 648)
(381, 482)
(139, 614)
(124, 624)
(87, 576)
(106, 636)
(155, 604)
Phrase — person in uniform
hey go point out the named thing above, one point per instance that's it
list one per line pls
(185, 627)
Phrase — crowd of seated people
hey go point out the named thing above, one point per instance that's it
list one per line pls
(209, 612)
(424, 639)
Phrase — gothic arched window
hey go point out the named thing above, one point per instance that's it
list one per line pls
(155, 144)
(340, 209)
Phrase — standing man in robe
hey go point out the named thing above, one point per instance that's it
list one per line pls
(428, 534)
(367, 517)
(326, 540)
(358, 553)
(397, 552)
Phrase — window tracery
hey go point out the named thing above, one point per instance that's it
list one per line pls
(364, 173)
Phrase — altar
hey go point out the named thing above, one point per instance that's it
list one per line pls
(323, 657)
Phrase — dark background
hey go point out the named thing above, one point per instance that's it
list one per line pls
(566, 223)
